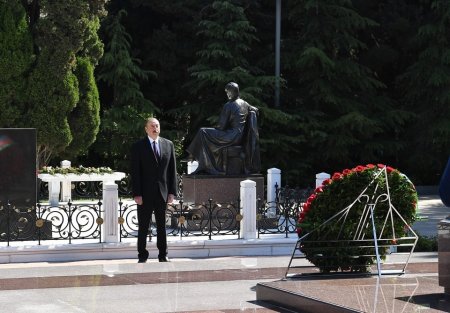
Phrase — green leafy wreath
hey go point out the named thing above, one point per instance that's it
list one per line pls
(320, 242)
(75, 170)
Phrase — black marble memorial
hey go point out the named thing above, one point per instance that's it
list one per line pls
(17, 174)
(18, 166)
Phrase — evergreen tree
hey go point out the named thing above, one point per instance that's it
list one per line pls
(313, 129)
(42, 40)
(84, 120)
(60, 31)
(227, 39)
(126, 109)
(389, 54)
(16, 58)
(344, 112)
(426, 93)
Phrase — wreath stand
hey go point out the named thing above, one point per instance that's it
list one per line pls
(384, 239)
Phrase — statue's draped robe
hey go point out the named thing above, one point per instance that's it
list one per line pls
(208, 142)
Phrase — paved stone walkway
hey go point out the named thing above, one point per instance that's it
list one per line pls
(224, 284)
(221, 284)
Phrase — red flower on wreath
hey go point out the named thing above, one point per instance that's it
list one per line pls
(337, 176)
(311, 198)
(346, 172)
(306, 207)
(319, 189)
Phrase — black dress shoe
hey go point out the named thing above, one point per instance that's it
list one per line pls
(163, 259)
(142, 260)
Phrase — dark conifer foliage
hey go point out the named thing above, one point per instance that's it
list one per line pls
(425, 91)
(344, 64)
(361, 81)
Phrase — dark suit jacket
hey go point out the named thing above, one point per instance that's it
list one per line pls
(151, 179)
(444, 185)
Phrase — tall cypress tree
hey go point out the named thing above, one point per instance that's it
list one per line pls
(84, 120)
(16, 59)
(42, 39)
(61, 31)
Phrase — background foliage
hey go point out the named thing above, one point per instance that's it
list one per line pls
(362, 81)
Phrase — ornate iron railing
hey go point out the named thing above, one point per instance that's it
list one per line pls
(73, 220)
(281, 215)
(45, 222)
(206, 219)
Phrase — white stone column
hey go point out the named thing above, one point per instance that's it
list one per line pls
(54, 187)
(191, 166)
(110, 231)
(273, 178)
(66, 185)
(248, 209)
(320, 177)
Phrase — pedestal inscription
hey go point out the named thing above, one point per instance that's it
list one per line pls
(221, 189)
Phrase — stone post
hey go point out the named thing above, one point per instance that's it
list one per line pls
(320, 178)
(248, 209)
(54, 187)
(66, 185)
(273, 178)
(110, 231)
(191, 166)
(444, 254)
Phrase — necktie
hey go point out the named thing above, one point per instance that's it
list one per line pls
(155, 150)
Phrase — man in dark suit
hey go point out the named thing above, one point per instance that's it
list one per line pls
(154, 183)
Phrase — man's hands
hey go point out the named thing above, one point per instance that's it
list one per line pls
(138, 199)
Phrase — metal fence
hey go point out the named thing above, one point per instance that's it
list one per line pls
(45, 222)
(77, 221)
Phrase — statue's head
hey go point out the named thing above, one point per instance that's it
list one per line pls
(232, 90)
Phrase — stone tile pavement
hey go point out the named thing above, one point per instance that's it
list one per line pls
(190, 283)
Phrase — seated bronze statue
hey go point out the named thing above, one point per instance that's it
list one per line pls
(236, 136)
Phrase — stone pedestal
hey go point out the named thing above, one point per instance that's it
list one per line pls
(248, 209)
(66, 186)
(444, 254)
(110, 203)
(221, 189)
